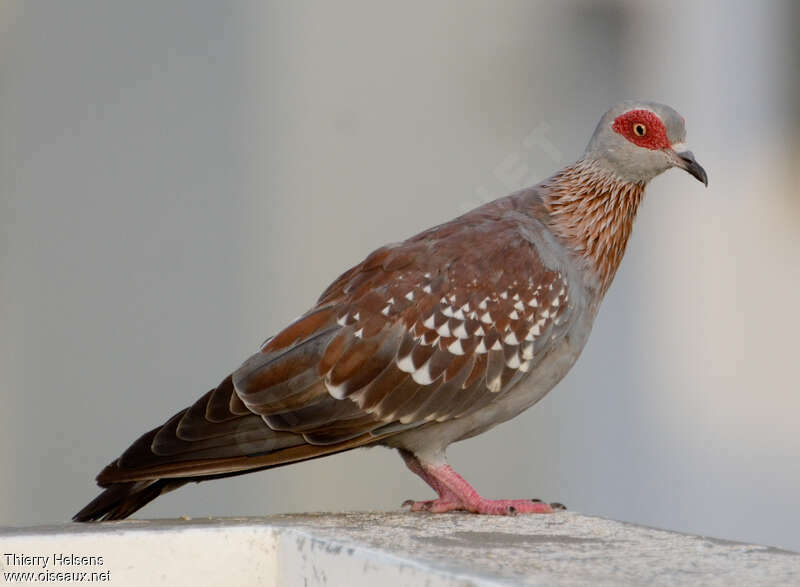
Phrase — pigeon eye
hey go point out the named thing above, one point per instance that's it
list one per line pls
(639, 129)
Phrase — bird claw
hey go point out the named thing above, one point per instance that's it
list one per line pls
(418, 506)
(435, 506)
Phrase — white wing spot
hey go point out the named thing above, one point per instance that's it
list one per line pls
(513, 315)
(519, 306)
(497, 346)
(460, 331)
(447, 311)
(423, 374)
(524, 366)
(527, 351)
(343, 320)
(429, 322)
(482, 305)
(511, 338)
(481, 348)
(480, 331)
(494, 384)
(513, 362)
(410, 296)
(534, 303)
(406, 364)
(486, 318)
(359, 333)
(357, 316)
(458, 314)
(504, 295)
(427, 289)
(444, 329)
(337, 391)
(515, 297)
(533, 332)
(455, 347)
(385, 311)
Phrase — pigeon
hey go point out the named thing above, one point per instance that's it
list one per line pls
(428, 341)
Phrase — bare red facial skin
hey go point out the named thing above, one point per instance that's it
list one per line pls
(655, 136)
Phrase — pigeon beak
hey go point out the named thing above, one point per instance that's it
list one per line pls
(685, 160)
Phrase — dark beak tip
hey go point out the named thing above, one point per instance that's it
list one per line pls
(701, 175)
(691, 165)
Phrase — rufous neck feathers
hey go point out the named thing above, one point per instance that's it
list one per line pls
(592, 211)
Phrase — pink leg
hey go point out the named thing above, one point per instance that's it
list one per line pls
(447, 500)
(456, 494)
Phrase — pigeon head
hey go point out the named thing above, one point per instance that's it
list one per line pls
(637, 141)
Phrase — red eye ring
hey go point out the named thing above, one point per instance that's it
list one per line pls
(633, 122)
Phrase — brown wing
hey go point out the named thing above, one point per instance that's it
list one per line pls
(430, 329)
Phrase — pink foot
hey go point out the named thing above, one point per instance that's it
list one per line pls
(492, 507)
(456, 494)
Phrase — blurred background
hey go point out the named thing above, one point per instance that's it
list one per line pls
(178, 180)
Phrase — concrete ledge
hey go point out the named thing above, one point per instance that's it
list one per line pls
(386, 549)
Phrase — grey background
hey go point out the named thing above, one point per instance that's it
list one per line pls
(179, 180)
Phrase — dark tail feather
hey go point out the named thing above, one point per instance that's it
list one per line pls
(214, 438)
(120, 500)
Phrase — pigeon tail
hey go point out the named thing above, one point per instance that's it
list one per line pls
(122, 499)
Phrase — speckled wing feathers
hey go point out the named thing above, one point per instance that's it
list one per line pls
(427, 330)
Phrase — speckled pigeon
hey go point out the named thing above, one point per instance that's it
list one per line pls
(427, 341)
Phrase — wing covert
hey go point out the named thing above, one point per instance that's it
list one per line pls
(430, 329)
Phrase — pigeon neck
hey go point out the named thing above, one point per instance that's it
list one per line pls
(591, 209)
